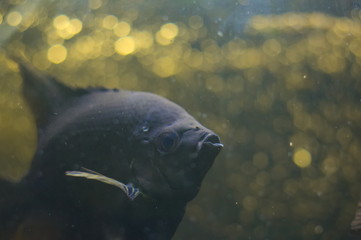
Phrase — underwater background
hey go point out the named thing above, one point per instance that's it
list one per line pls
(279, 81)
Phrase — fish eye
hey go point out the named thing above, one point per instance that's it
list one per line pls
(167, 142)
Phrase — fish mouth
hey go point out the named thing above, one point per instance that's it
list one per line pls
(210, 142)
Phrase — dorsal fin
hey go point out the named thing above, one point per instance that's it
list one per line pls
(44, 94)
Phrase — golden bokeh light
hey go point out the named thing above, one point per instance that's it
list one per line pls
(330, 165)
(14, 18)
(85, 45)
(122, 29)
(169, 31)
(95, 4)
(75, 26)
(302, 158)
(161, 40)
(166, 34)
(125, 46)
(272, 47)
(57, 54)
(61, 22)
(110, 21)
(66, 28)
(165, 66)
(144, 39)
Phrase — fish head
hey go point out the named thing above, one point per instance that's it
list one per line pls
(179, 152)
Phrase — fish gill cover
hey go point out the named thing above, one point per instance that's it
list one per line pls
(283, 93)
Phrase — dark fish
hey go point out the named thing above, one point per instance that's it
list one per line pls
(152, 148)
(355, 227)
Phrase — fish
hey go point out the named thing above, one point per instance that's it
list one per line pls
(146, 155)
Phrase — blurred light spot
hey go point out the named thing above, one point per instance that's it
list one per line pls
(319, 20)
(331, 63)
(95, 4)
(53, 38)
(110, 21)
(343, 25)
(29, 20)
(14, 18)
(249, 58)
(107, 49)
(161, 40)
(260, 23)
(295, 21)
(302, 158)
(169, 31)
(1, 18)
(144, 39)
(318, 229)
(272, 47)
(85, 45)
(67, 28)
(57, 54)
(64, 34)
(195, 22)
(330, 165)
(193, 58)
(75, 26)
(122, 29)
(39, 60)
(164, 66)
(131, 14)
(125, 45)
(61, 22)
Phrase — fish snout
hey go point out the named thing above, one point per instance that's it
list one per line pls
(211, 142)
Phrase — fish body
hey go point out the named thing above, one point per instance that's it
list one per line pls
(140, 140)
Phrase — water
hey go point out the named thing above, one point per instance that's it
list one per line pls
(277, 80)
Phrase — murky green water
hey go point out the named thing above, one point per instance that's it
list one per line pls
(283, 91)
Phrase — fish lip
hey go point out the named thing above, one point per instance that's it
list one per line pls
(218, 146)
(210, 141)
